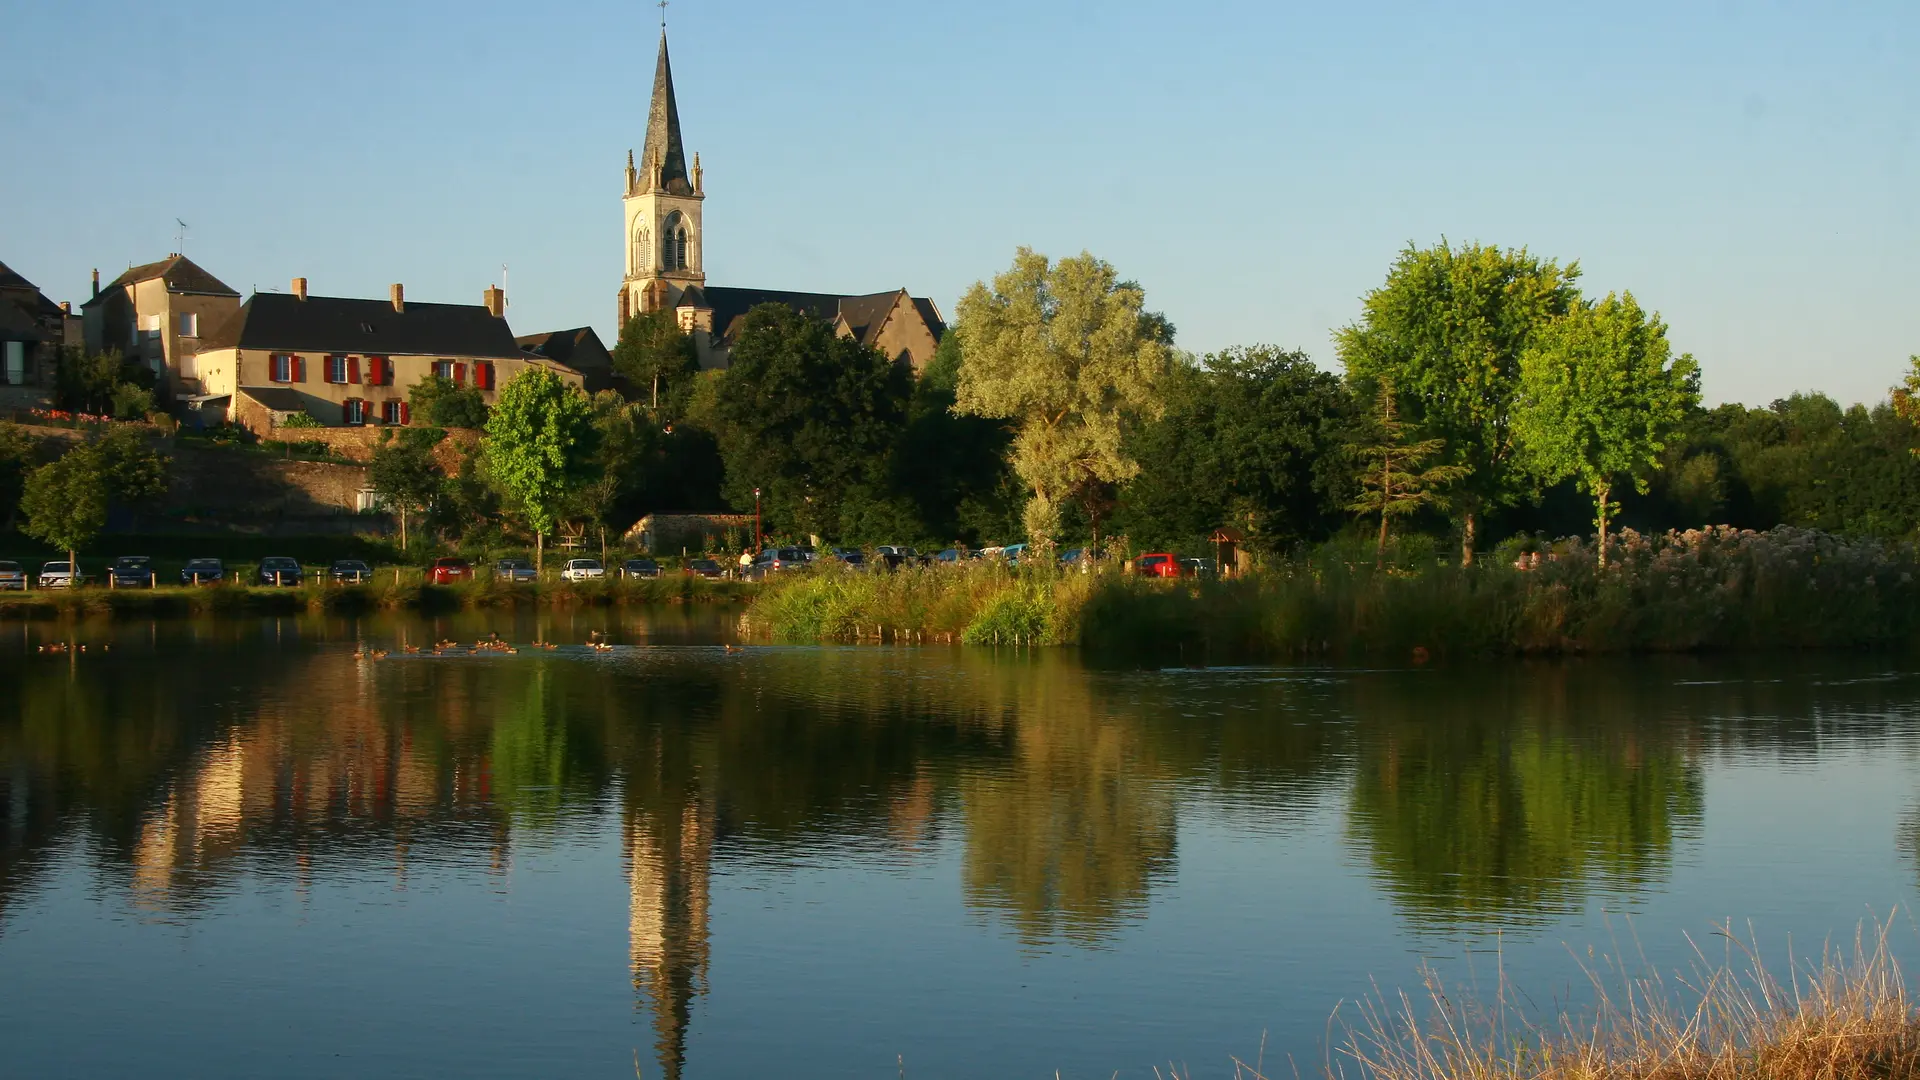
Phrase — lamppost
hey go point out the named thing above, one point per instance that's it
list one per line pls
(756, 519)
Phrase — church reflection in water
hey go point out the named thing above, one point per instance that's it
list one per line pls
(204, 761)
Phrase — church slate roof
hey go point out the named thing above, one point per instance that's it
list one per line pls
(281, 322)
(663, 146)
(580, 349)
(181, 274)
(865, 314)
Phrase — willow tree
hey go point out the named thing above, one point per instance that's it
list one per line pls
(1070, 355)
(1601, 396)
(539, 449)
(1448, 329)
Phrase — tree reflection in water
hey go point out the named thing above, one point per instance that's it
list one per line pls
(196, 755)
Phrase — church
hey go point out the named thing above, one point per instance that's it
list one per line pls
(666, 269)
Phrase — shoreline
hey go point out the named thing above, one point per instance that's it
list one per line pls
(176, 600)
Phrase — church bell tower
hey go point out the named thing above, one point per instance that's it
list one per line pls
(664, 233)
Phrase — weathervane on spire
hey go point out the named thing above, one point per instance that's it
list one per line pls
(663, 15)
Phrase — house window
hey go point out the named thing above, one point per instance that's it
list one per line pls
(355, 411)
(187, 323)
(337, 369)
(444, 369)
(14, 371)
(393, 411)
(282, 368)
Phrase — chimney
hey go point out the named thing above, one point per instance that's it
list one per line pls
(496, 300)
(66, 307)
(400, 298)
(96, 281)
(299, 288)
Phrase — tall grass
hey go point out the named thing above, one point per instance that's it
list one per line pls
(1847, 1015)
(1719, 589)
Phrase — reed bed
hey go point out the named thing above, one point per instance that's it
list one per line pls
(1703, 590)
(386, 592)
(1846, 1016)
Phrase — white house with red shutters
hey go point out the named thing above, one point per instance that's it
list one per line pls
(350, 362)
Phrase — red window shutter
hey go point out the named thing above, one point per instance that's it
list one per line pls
(299, 369)
(353, 369)
(406, 414)
(483, 376)
(459, 374)
(386, 370)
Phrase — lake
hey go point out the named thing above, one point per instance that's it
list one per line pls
(231, 848)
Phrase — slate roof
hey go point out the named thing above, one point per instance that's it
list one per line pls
(181, 274)
(11, 279)
(17, 320)
(579, 349)
(866, 314)
(277, 398)
(663, 145)
(282, 322)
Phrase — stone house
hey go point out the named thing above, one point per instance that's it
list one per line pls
(580, 349)
(350, 361)
(158, 314)
(32, 331)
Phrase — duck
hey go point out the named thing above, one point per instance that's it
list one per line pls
(378, 654)
(732, 649)
(412, 650)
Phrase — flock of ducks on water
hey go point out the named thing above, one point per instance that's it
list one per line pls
(61, 648)
(490, 644)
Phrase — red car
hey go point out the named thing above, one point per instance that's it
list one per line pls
(448, 571)
(1157, 565)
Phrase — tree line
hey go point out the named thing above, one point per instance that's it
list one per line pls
(1482, 394)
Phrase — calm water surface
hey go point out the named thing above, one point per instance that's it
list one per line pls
(229, 848)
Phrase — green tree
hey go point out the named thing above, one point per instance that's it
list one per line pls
(1393, 481)
(540, 443)
(17, 450)
(1448, 328)
(653, 352)
(104, 384)
(405, 476)
(811, 419)
(1602, 395)
(1068, 353)
(445, 403)
(65, 501)
(1252, 437)
(953, 468)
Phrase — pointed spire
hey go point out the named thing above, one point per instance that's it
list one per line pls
(664, 150)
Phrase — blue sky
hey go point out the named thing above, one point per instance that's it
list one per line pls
(1750, 170)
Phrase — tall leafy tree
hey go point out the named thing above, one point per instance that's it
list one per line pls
(65, 501)
(405, 476)
(1448, 328)
(809, 418)
(539, 450)
(1395, 479)
(444, 403)
(1602, 395)
(655, 354)
(105, 384)
(1070, 355)
(1252, 437)
(953, 468)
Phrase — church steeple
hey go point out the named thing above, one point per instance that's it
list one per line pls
(664, 154)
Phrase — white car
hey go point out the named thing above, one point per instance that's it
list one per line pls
(583, 570)
(60, 575)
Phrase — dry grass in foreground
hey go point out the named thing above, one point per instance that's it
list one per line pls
(1848, 1015)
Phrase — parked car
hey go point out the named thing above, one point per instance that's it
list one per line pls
(1013, 553)
(892, 551)
(639, 568)
(705, 568)
(1159, 564)
(350, 572)
(1198, 567)
(203, 572)
(449, 570)
(514, 571)
(853, 557)
(13, 576)
(583, 570)
(279, 571)
(774, 560)
(60, 575)
(131, 572)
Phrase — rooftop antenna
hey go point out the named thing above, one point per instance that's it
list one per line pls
(180, 237)
(507, 297)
